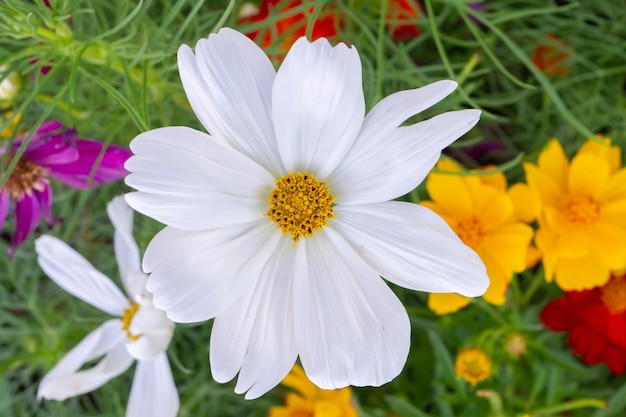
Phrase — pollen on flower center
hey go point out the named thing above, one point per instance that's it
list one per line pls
(300, 204)
(614, 294)
(127, 318)
(471, 230)
(25, 177)
(582, 209)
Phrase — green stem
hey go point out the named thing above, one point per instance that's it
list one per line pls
(541, 78)
(572, 405)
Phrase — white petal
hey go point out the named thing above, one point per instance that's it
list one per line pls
(229, 86)
(194, 276)
(413, 247)
(350, 327)
(77, 276)
(398, 162)
(135, 283)
(154, 330)
(126, 250)
(189, 181)
(153, 393)
(65, 380)
(256, 334)
(317, 105)
(396, 108)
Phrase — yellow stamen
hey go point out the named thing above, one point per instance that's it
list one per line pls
(614, 294)
(127, 318)
(25, 177)
(471, 230)
(300, 204)
(582, 209)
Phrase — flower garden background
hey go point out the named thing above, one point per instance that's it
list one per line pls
(536, 189)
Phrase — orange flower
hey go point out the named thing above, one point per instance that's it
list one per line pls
(549, 56)
(401, 17)
(287, 21)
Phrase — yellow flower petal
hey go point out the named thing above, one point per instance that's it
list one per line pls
(526, 202)
(279, 411)
(313, 401)
(298, 380)
(577, 274)
(496, 292)
(553, 219)
(497, 180)
(545, 241)
(445, 164)
(545, 186)
(533, 256)
(507, 245)
(608, 241)
(327, 409)
(614, 212)
(445, 303)
(493, 206)
(588, 175)
(450, 218)
(603, 148)
(615, 188)
(498, 283)
(449, 191)
(553, 162)
(296, 401)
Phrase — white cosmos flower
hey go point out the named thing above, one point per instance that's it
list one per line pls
(279, 222)
(139, 332)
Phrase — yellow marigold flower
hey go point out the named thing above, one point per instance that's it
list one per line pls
(473, 365)
(582, 226)
(311, 401)
(489, 219)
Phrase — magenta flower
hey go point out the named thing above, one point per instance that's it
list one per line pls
(53, 153)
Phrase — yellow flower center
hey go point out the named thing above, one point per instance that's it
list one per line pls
(471, 230)
(582, 209)
(300, 204)
(614, 294)
(473, 365)
(25, 177)
(127, 318)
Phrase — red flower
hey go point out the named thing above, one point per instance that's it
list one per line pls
(290, 25)
(401, 17)
(549, 57)
(596, 320)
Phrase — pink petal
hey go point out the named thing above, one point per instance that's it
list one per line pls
(46, 148)
(4, 207)
(109, 168)
(45, 203)
(27, 217)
